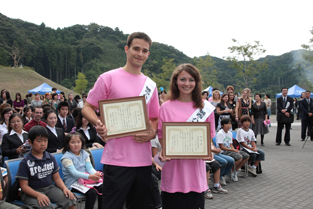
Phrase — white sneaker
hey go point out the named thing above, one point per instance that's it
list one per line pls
(234, 175)
(208, 194)
(252, 170)
(222, 181)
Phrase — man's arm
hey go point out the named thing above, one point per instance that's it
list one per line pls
(302, 107)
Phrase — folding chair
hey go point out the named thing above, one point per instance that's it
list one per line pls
(12, 167)
(79, 196)
(95, 158)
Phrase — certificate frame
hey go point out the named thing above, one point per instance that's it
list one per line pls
(169, 129)
(111, 108)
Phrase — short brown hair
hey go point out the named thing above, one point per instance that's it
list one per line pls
(139, 35)
(196, 93)
(230, 87)
(245, 118)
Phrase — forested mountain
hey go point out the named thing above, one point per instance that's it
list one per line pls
(93, 49)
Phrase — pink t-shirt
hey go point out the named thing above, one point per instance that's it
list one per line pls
(124, 151)
(182, 175)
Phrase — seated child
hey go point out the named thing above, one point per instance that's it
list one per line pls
(225, 161)
(35, 174)
(246, 138)
(76, 164)
(225, 143)
(214, 166)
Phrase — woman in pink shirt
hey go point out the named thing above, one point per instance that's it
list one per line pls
(184, 181)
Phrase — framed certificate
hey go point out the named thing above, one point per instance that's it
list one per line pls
(124, 116)
(186, 140)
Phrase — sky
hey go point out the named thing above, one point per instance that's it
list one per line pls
(196, 28)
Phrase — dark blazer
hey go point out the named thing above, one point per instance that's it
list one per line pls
(93, 137)
(69, 124)
(304, 108)
(259, 111)
(10, 143)
(54, 142)
(70, 116)
(280, 107)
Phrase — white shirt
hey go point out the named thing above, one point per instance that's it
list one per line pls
(3, 130)
(224, 138)
(156, 143)
(245, 136)
(80, 104)
(53, 130)
(86, 132)
(61, 119)
(19, 135)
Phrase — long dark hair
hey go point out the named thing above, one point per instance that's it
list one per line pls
(79, 121)
(13, 116)
(68, 138)
(4, 111)
(18, 94)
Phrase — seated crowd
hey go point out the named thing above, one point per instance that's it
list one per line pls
(35, 128)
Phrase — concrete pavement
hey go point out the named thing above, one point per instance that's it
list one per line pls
(286, 181)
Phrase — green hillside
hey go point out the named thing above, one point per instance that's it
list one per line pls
(93, 49)
(22, 80)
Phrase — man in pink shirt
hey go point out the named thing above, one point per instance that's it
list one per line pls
(127, 160)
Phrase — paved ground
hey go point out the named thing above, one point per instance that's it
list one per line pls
(286, 181)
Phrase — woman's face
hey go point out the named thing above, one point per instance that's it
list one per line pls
(216, 96)
(55, 97)
(225, 98)
(18, 96)
(7, 115)
(16, 124)
(29, 113)
(265, 97)
(186, 83)
(231, 97)
(84, 121)
(48, 96)
(61, 96)
(205, 96)
(4, 95)
(52, 120)
(257, 98)
(244, 94)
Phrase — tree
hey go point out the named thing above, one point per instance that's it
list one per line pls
(16, 54)
(308, 55)
(163, 79)
(81, 83)
(244, 62)
(208, 71)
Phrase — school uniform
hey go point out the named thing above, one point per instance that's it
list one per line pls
(90, 136)
(11, 141)
(55, 139)
(69, 124)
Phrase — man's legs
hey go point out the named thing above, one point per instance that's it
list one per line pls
(278, 133)
(119, 182)
(287, 133)
(304, 124)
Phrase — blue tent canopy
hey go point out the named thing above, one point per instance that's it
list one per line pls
(42, 89)
(209, 89)
(294, 91)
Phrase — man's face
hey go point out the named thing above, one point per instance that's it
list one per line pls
(284, 92)
(70, 96)
(137, 53)
(63, 111)
(303, 95)
(38, 114)
(307, 95)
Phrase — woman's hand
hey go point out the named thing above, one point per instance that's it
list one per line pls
(94, 177)
(20, 149)
(157, 167)
(162, 158)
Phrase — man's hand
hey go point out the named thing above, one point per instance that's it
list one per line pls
(162, 158)
(142, 138)
(209, 158)
(283, 110)
(102, 130)
(157, 167)
(287, 114)
(310, 114)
